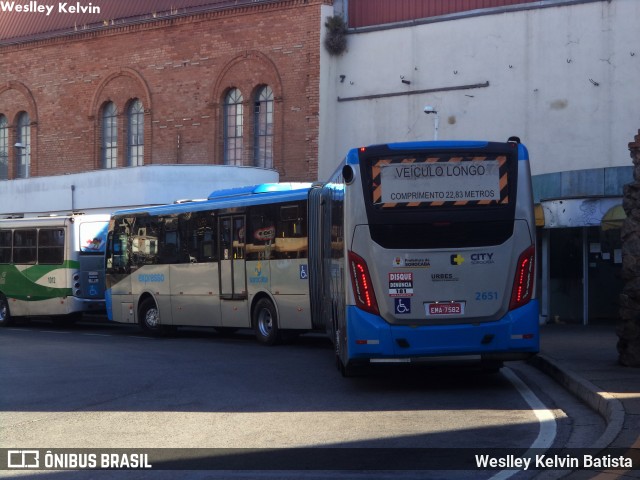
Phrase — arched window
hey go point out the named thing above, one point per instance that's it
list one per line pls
(109, 136)
(263, 128)
(23, 146)
(233, 128)
(135, 134)
(4, 148)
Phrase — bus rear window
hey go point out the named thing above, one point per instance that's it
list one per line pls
(437, 180)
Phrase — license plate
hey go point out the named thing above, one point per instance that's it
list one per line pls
(433, 309)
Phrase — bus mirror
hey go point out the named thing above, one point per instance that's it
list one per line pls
(348, 174)
(514, 139)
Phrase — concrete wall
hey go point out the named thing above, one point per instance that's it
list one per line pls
(563, 78)
(109, 190)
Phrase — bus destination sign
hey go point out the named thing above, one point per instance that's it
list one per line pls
(429, 182)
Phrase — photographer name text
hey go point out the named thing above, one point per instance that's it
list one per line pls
(554, 461)
(36, 7)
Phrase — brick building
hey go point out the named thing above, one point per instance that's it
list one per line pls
(224, 83)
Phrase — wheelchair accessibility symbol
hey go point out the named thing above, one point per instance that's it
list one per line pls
(304, 272)
(402, 305)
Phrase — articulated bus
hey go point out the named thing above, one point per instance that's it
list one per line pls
(238, 259)
(427, 250)
(52, 266)
(412, 251)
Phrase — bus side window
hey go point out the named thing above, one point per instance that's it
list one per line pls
(261, 233)
(25, 246)
(5, 246)
(169, 247)
(291, 235)
(119, 246)
(119, 257)
(51, 246)
(197, 229)
(206, 237)
(209, 245)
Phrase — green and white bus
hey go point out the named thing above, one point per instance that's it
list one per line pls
(52, 266)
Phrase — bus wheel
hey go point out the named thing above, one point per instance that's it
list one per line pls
(5, 316)
(265, 322)
(149, 317)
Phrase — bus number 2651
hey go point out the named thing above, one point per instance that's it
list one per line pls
(485, 296)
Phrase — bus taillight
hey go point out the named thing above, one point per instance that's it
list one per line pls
(523, 282)
(362, 286)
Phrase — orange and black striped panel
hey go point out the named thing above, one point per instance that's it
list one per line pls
(376, 184)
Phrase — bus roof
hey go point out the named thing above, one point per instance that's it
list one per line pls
(232, 198)
(353, 158)
(52, 220)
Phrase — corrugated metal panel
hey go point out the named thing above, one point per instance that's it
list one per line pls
(364, 13)
(32, 24)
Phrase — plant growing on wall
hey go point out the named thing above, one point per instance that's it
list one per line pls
(336, 40)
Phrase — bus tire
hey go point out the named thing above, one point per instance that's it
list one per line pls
(5, 315)
(265, 322)
(149, 317)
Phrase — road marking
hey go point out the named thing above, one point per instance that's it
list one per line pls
(545, 417)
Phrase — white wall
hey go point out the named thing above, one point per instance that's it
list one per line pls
(538, 64)
(112, 189)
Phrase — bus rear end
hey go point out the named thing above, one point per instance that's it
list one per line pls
(440, 254)
(89, 280)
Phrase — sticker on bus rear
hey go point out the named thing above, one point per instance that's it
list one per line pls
(401, 284)
(402, 306)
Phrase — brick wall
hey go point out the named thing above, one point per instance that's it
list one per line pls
(180, 69)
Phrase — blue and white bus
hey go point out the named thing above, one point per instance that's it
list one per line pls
(427, 250)
(238, 259)
(410, 252)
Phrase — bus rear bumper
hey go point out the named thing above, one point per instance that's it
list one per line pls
(513, 337)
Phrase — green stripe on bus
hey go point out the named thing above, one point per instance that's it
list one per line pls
(21, 285)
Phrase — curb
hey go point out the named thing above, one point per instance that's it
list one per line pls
(605, 404)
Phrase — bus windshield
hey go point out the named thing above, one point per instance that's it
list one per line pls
(93, 237)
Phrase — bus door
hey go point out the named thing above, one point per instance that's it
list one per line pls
(233, 278)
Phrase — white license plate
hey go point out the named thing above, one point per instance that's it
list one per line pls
(434, 309)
